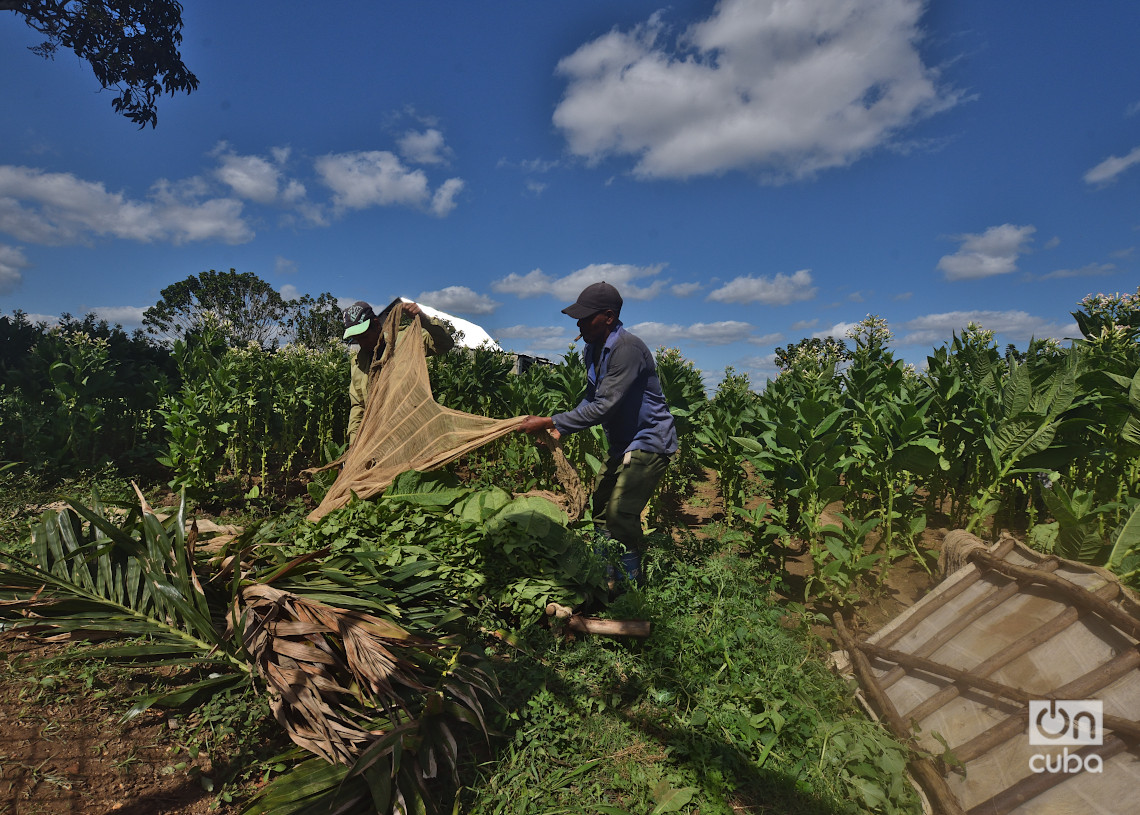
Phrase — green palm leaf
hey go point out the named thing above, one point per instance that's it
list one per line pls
(1127, 539)
(89, 577)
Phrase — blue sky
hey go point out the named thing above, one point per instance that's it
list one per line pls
(747, 173)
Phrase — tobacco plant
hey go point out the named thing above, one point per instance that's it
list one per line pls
(255, 413)
(842, 561)
(893, 451)
(1027, 422)
(801, 449)
(684, 391)
(731, 413)
(201, 416)
(80, 394)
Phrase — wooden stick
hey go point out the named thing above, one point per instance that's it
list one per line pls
(609, 628)
(1023, 645)
(1080, 688)
(592, 625)
(942, 598)
(923, 768)
(558, 611)
(1081, 596)
(965, 619)
(1033, 785)
(972, 680)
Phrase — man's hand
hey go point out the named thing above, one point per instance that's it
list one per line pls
(536, 424)
(412, 309)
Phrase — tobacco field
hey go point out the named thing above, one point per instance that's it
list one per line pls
(193, 644)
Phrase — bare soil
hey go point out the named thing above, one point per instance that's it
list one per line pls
(63, 750)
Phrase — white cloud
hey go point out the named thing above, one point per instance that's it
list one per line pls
(803, 325)
(537, 340)
(311, 214)
(460, 299)
(378, 178)
(719, 333)
(259, 179)
(129, 317)
(443, 201)
(1090, 270)
(181, 220)
(535, 332)
(249, 177)
(290, 292)
(60, 209)
(779, 290)
(371, 178)
(993, 252)
(294, 192)
(12, 261)
(685, 289)
(530, 165)
(839, 331)
(786, 88)
(532, 186)
(759, 368)
(621, 275)
(903, 296)
(282, 265)
(1107, 171)
(767, 339)
(424, 147)
(46, 319)
(532, 284)
(1014, 326)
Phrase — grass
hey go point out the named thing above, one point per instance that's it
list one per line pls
(723, 709)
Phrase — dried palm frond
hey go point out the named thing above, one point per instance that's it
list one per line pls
(321, 660)
(354, 689)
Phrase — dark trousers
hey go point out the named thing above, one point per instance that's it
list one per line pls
(624, 488)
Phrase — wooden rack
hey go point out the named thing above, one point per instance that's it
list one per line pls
(934, 661)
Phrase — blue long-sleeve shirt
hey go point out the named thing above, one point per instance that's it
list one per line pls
(623, 395)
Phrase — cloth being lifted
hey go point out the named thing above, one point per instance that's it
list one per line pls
(404, 428)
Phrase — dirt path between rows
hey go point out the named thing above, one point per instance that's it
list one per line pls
(62, 749)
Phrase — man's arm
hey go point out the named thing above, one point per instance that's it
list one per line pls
(536, 424)
(437, 339)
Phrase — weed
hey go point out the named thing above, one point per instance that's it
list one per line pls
(721, 709)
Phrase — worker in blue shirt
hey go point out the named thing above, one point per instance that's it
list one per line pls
(623, 395)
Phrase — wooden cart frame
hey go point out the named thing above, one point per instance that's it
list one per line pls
(953, 676)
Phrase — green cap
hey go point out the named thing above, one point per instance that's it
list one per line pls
(357, 318)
